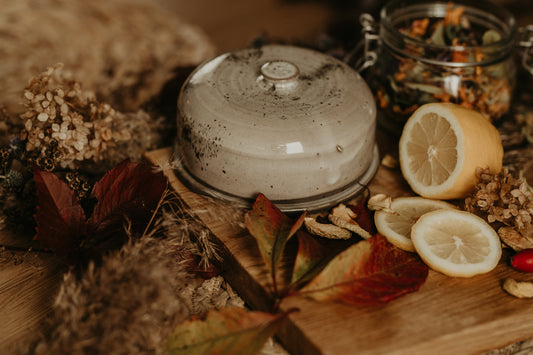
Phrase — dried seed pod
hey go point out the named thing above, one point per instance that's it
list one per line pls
(513, 239)
(344, 217)
(329, 231)
(518, 289)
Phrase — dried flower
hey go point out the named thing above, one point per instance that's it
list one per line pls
(13, 181)
(5, 158)
(79, 184)
(502, 200)
(67, 127)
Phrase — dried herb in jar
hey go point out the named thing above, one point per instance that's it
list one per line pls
(453, 58)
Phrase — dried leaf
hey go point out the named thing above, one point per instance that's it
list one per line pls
(513, 239)
(229, 331)
(60, 219)
(370, 272)
(129, 193)
(271, 228)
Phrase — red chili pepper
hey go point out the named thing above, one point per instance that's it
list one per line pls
(523, 260)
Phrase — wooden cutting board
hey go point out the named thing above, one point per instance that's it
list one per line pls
(446, 316)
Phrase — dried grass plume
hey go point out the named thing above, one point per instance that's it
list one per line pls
(135, 298)
(124, 51)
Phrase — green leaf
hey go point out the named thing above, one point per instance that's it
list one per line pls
(438, 35)
(311, 258)
(370, 272)
(271, 228)
(430, 89)
(229, 331)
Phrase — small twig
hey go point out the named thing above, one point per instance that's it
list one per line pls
(154, 214)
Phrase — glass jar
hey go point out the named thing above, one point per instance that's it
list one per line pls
(442, 52)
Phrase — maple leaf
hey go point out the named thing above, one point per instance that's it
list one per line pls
(229, 331)
(60, 219)
(370, 272)
(129, 193)
(271, 228)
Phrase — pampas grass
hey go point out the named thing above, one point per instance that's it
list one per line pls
(131, 301)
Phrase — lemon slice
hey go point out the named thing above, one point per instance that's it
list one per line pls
(396, 222)
(441, 146)
(456, 243)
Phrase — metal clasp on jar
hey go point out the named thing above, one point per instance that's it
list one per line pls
(525, 43)
(367, 45)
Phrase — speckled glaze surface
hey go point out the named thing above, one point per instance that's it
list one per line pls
(292, 123)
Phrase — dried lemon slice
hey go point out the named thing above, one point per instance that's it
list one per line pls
(395, 223)
(456, 243)
(441, 146)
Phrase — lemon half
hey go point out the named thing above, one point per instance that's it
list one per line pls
(441, 146)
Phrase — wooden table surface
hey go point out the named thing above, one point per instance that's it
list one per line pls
(27, 289)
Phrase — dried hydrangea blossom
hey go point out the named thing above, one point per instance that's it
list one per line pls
(502, 200)
(68, 127)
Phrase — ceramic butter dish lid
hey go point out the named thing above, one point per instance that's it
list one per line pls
(294, 124)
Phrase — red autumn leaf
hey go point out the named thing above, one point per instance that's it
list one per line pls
(129, 193)
(271, 228)
(60, 219)
(228, 331)
(364, 216)
(370, 272)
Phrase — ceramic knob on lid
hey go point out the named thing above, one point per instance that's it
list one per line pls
(294, 124)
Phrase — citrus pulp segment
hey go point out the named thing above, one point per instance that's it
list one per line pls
(395, 224)
(456, 243)
(441, 146)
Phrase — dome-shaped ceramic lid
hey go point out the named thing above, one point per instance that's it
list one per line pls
(292, 123)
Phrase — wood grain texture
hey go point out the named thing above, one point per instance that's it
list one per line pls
(446, 316)
(29, 282)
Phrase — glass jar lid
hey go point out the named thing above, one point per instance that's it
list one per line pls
(292, 123)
